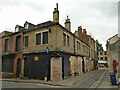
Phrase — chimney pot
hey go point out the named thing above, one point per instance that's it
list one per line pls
(80, 27)
(84, 31)
(56, 6)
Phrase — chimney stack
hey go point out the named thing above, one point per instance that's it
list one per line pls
(68, 24)
(56, 14)
(80, 29)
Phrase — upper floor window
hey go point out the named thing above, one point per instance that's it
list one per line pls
(45, 37)
(26, 41)
(78, 45)
(84, 48)
(66, 40)
(101, 58)
(26, 26)
(6, 44)
(16, 29)
(38, 39)
(17, 43)
(105, 58)
(105, 53)
(42, 38)
(101, 53)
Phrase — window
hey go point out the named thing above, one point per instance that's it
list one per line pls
(78, 45)
(84, 49)
(101, 58)
(64, 39)
(7, 64)
(68, 40)
(26, 26)
(105, 58)
(17, 43)
(105, 53)
(38, 39)
(16, 29)
(101, 53)
(42, 36)
(6, 44)
(45, 37)
(26, 41)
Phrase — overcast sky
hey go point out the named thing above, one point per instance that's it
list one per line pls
(99, 18)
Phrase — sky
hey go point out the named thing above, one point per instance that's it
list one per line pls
(98, 17)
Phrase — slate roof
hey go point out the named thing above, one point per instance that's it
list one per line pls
(38, 26)
(45, 24)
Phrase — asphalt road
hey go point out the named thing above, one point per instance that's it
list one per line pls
(91, 81)
(88, 82)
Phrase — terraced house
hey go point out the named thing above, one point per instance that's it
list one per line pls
(46, 50)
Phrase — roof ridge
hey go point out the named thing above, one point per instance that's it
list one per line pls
(44, 22)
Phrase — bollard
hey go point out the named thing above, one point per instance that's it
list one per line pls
(45, 78)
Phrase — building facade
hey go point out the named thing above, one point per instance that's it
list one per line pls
(11, 53)
(113, 47)
(102, 59)
(112, 50)
(47, 50)
(92, 52)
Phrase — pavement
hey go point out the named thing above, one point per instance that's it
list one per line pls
(71, 81)
(106, 82)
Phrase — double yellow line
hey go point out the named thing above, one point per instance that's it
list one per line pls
(98, 81)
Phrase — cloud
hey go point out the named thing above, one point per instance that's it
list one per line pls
(37, 6)
(23, 3)
(99, 18)
(9, 3)
(109, 9)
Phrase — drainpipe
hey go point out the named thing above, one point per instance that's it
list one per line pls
(119, 44)
(0, 56)
(22, 57)
(74, 43)
(119, 63)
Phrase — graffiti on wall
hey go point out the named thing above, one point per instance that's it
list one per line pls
(56, 73)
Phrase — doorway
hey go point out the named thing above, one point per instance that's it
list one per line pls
(18, 69)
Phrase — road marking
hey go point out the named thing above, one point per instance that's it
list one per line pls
(47, 85)
(86, 77)
(98, 81)
(8, 82)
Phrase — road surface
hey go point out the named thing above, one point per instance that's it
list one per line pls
(90, 82)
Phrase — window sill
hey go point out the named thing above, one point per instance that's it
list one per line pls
(41, 44)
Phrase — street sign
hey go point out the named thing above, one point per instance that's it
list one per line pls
(47, 50)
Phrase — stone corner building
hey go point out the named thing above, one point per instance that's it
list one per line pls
(47, 50)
